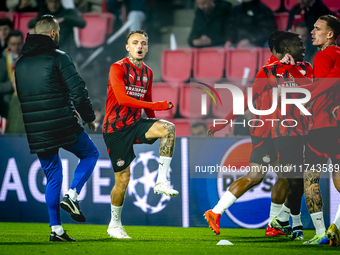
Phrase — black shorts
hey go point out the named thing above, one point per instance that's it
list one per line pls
(120, 143)
(290, 154)
(263, 152)
(322, 144)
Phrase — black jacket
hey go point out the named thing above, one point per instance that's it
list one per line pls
(47, 85)
(215, 25)
(253, 21)
(311, 14)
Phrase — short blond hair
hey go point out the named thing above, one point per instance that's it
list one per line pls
(45, 24)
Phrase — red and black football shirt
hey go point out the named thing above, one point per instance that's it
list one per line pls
(137, 83)
(268, 77)
(293, 123)
(326, 65)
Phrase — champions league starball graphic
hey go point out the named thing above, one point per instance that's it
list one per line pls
(144, 170)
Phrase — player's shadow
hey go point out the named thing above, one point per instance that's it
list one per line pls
(32, 243)
(277, 239)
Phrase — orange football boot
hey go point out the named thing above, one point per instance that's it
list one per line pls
(272, 232)
(213, 220)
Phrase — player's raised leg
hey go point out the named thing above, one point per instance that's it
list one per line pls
(88, 154)
(164, 130)
(236, 190)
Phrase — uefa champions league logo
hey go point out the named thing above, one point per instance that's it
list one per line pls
(144, 170)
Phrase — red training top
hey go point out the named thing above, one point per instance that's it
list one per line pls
(293, 116)
(128, 91)
(268, 77)
(326, 94)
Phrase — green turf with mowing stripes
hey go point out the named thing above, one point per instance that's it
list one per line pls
(32, 238)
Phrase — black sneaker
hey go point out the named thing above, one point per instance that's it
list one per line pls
(73, 208)
(63, 238)
(283, 226)
(298, 233)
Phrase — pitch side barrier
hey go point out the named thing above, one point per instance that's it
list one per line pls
(22, 185)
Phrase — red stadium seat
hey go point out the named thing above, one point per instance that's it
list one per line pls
(219, 110)
(289, 4)
(333, 5)
(177, 64)
(165, 92)
(281, 20)
(239, 59)
(266, 54)
(190, 101)
(274, 5)
(209, 63)
(93, 35)
(182, 127)
(11, 15)
(22, 21)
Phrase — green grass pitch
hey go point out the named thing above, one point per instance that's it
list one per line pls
(32, 238)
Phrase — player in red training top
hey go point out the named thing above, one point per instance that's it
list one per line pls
(278, 195)
(322, 139)
(280, 187)
(129, 91)
(264, 151)
(288, 136)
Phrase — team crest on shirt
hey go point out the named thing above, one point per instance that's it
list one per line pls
(145, 79)
(120, 162)
(303, 72)
(266, 159)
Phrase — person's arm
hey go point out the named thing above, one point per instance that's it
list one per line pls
(264, 25)
(257, 87)
(220, 37)
(289, 65)
(321, 70)
(322, 85)
(325, 84)
(292, 69)
(116, 79)
(5, 82)
(148, 97)
(6, 87)
(74, 19)
(76, 87)
(196, 31)
(291, 18)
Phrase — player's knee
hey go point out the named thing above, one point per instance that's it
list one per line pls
(123, 181)
(257, 181)
(253, 181)
(169, 128)
(95, 153)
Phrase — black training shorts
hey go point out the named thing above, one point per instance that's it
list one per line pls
(263, 152)
(120, 143)
(290, 154)
(322, 143)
